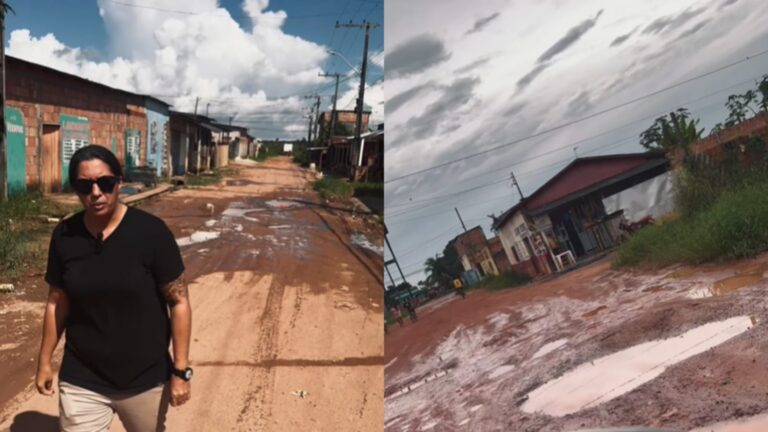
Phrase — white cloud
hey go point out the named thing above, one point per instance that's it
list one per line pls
(182, 56)
(587, 75)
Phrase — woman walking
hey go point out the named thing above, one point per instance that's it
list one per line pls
(114, 275)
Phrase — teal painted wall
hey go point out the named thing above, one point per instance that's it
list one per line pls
(16, 151)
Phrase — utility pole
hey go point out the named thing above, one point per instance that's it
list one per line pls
(460, 220)
(197, 167)
(208, 105)
(311, 118)
(517, 185)
(333, 111)
(4, 8)
(309, 131)
(317, 117)
(361, 93)
(394, 261)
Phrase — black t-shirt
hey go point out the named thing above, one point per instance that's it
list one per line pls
(118, 328)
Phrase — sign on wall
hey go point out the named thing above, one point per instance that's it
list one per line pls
(75, 134)
(132, 148)
(16, 156)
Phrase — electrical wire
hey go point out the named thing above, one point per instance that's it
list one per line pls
(579, 120)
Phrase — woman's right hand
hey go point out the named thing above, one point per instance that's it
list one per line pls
(44, 380)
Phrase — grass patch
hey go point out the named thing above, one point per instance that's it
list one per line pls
(24, 231)
(733, 227)
(212, 178)
(301, 158)
(334, 189)
(369, 189)
(202, 180)
(503, 281)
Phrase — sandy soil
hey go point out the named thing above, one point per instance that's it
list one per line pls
(474, 364)
(283, 302)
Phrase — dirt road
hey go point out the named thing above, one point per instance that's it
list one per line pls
(679, 348)
(284, 301)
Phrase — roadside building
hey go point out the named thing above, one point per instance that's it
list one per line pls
(342, 155)
(191, 142)
(158, 130)
(503, 264)
(474, 253)
(55, 113)
(566, 217)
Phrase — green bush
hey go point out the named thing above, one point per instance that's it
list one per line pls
(301, 158)
(20, 225)
(334, 189)
(735, 226)
(369, 189)
(503, 281)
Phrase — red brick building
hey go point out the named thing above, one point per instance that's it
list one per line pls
(63, 112)
(474, 253)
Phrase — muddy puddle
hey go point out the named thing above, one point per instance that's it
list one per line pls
(727, 285)
(606, 378)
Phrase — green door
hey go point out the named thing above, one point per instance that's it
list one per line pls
(16, 152)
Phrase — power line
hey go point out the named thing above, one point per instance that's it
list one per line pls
(570, 145)
(579, 120)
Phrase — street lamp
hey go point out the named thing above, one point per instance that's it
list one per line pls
(335, 53)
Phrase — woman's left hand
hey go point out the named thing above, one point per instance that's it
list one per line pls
(181, 391)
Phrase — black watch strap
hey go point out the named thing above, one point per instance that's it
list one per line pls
(185, 374)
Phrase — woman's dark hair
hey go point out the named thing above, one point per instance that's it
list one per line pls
(91, 152)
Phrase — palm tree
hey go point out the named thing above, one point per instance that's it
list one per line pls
(437, 273)
(677, 130)
(762, 87)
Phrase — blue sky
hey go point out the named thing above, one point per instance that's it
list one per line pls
(283, 53)
(314, 20)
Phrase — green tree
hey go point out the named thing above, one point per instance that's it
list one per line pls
(762, 87)
(677, 130)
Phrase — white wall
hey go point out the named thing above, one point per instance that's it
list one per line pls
(653, 197)
(509, 238)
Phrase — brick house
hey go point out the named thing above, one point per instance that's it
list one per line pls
(474, 253)
(59, 113)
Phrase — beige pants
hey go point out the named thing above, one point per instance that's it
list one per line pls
(82, 410)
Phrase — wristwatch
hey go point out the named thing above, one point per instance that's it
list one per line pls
(185, 374)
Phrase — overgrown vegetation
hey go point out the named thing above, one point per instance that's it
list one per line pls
(503, 281)
(211, 178)
(334, 189)
(341, 190)
(24, 229)
(269, 150)
(722, 202)
(734, 227)
(301, 157)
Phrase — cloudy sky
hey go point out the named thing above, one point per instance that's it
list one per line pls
(466, 78)
(252, 59)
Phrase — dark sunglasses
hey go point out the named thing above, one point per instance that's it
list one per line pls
(106, 185)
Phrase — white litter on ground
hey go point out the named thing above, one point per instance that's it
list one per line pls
(210, 223)
(498, 320)
(611, 376)
(197, 237)
(281, 204)
(548, 348)
(360, 240)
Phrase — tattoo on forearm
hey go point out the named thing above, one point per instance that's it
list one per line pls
(175, 291)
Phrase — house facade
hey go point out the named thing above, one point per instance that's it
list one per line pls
(567, 215)
(474, 253)
(55, 113)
